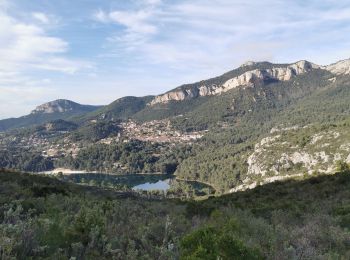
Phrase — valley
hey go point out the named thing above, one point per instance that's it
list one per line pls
(273, 122)
(260, 171)
(174, 130)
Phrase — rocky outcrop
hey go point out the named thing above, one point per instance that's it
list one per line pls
(280, 156)
(62, 106)
(340, 68)
(177, 95)
(247, 79)
(251, 78)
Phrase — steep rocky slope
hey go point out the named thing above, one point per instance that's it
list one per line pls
(250, 78)
(295, 152)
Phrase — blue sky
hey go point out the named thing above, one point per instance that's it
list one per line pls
(94, 52)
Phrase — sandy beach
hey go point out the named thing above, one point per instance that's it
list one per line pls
(64, 171)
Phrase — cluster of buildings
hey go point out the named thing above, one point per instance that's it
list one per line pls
(157, 131)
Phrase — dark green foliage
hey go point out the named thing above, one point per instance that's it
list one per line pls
(127, 157)
(96, 131)
(47, 190)
(65, 221)
(211, 243)
(194, 208)
(25, 160)
(122, 108)
(58, 125)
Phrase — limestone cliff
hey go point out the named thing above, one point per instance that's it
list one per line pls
(247, 79)
(295, 152)
(340, 67)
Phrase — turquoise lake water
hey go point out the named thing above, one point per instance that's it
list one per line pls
(159, 185)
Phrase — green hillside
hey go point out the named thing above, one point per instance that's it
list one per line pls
(119, 109)
(221, 158)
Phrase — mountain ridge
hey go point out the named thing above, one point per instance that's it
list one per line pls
(53, 110)
(249, 78)
(246, 75)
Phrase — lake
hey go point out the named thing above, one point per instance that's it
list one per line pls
(143, 182)
(163, 185)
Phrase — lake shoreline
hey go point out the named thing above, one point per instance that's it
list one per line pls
(66, 171)
(202, 182)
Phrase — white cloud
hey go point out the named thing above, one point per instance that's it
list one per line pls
(137, 25)
(4, 4)
(223, 33)
(43, 18)
(17, 101)
(63, 65)
(27, 46)
(152, 2)
(27, 49)
(101, 16)
(134, 21)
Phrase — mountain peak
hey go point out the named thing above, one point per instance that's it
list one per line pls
(56, 106)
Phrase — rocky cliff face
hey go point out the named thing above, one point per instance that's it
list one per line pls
(294, 152)
(60, 106)
(339, 68)
(247, 79)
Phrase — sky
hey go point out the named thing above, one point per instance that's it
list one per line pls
(94, 52)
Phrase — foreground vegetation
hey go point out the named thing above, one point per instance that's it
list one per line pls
(44, 218)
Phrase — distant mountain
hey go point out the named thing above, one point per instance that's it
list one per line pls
(62, 106)
(58, 109)
(188, 97)
(214, 98)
